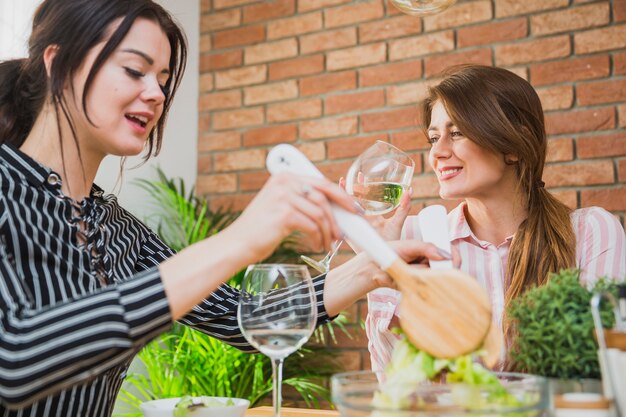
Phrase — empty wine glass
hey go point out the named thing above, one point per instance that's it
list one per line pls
(376, 179)
(277, 314)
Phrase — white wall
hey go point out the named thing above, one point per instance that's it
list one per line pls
(178, 157)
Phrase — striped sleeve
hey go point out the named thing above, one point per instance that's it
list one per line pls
(601, 244)
(44, 351)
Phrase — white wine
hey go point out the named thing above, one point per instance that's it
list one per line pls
(277, 343)
(378, 197)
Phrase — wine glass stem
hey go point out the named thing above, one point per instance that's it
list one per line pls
(277, 377)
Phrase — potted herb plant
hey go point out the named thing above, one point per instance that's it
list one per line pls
(554, 332)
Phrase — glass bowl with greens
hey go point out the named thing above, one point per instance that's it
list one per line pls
(196, 407)
(416, 384)
(365, 394)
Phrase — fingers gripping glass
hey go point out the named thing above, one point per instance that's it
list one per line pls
(376, 180)
(277, 314)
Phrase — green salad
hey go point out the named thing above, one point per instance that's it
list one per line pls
(410, 367)
(188, 403)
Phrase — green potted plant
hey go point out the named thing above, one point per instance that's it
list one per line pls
(554, 332)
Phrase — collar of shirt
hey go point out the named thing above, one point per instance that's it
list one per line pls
(460, 229)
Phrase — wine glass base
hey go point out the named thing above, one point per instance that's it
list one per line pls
(317, 265)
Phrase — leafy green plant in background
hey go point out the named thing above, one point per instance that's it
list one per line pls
(554, 328)
(188, 362)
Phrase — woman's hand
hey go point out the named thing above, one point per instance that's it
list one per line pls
(390, 227)
(289, 203)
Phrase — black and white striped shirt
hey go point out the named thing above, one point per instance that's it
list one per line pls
(81, 294)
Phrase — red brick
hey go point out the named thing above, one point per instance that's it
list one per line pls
(612, 199)
(435, 64)
(569, 70)
(205, 164)
(239, 77)
(619, 62)
(560, 150)
(334, 170)
(425, 186)
(492, 32)
(398, 95)
(390, 73)
(358, 56)
(308, 5)
(297, 25)
(224, 4)
(388, 120)
(270, 9)
(355, 101)
(267, 93)
(351, 147)
(559, 97)
(219, 141)
(205, 6)
(329, 39)
(221, 61)
(580, 121)
(580, 174)
(325, 83)
(599, 92)
(220, 20)
(413, 139)
(247, 35)
(353, 13)
(270, 135)
(222, 100)
(619, 10)
(205, 43)
(599, 146)
(621, 114)
(296, 67)
(390, 28)
(328, 128)
(206, 83)
(232, 202)
(569, 198)
(219, 183)
(516, 7)
(533, 50)
(240, 160)
(252, 181)
(461, 14)
(613, 37)
(621, 170)
(314, 151)
(204, 122)
(572, 19)
(232, 119)
(271, 51)
(294, 110)
(421, 45)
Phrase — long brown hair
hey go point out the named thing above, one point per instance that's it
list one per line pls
(75, 27)
(501, 111)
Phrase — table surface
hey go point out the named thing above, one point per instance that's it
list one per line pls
(290, 412)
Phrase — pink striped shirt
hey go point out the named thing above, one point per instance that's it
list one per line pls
(600, 251)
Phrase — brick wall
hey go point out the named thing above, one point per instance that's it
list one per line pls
(332, 76)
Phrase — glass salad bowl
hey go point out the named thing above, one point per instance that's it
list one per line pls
(361, 394)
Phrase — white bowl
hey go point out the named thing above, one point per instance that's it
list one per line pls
(165, 408)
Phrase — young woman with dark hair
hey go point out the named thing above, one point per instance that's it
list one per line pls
(485, 126)
(84, 285)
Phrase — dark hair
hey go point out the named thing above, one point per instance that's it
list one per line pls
(501, 111)
(76, 26)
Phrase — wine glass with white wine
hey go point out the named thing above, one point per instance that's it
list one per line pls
(377, 179)
(277, 314)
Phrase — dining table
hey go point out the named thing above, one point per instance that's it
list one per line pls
(290, 412)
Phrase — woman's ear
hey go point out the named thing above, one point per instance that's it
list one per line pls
(48, 56)
(510, 158)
